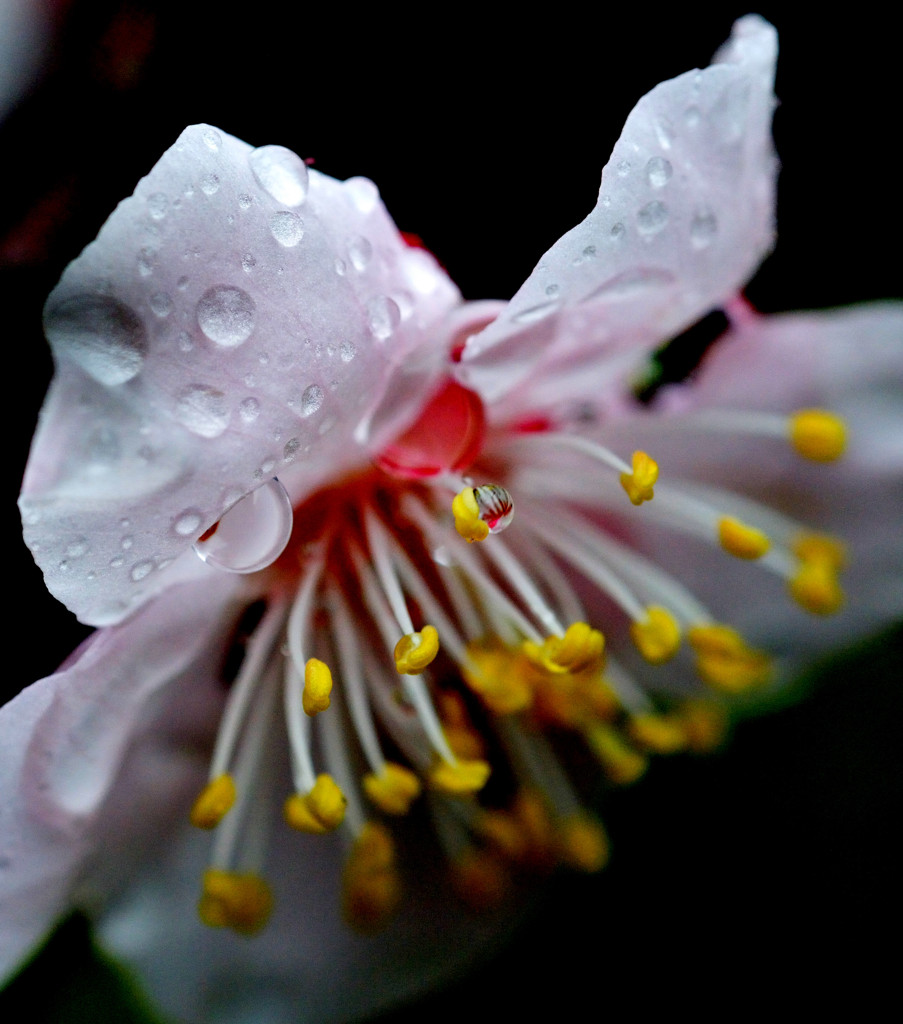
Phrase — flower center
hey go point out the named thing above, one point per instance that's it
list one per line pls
(419, 674)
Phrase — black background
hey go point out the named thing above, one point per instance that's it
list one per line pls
(772, 863)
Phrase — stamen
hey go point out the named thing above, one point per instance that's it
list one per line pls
(371, 887)
(461, 778)
(656, 635)
(638, 483)
(482, 510)
(416, 651)
(234, 900)
(815, 585)
(215, 801)
(725, 661)
(394, 789)
(317, 687)
(818, 435)
(741, 540)
(579, 648)
(320, 810)
(583, 843)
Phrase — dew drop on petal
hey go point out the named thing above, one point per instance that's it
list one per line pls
(102, 336)
(141, 569)
(291, 449)
(287, 228)
(77, 548)
(157, 205)
(364, 194)
(187, 522)
(226, 315)
(495, 505)
(281, 173)
(212, 139)
(383, 316)
(209, 184)
(360, 252)
(703, 228)
(347, 351)
(652, 217)
(658, 171)
(161, 304)
(249, 409)
(202, 409)
(311, 400)
(252, 534)
(692, 116)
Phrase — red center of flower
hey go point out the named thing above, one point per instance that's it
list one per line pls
(446, 438)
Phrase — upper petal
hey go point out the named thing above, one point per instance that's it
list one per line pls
(238, 317)
(685, 214)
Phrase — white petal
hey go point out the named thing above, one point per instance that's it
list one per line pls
(239, 317)
(684, 216)
(96, 759)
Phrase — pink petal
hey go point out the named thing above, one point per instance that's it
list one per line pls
(685, 215)
(97, 759)
(239, 317)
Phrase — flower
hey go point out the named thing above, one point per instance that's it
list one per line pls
(241, 315)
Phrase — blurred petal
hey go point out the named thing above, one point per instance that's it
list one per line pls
(684, 217)
(98, 758)
(189, 370)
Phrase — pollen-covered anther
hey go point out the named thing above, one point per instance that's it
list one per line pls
(214, 802)
(657, 636)
(639, 483)
(321, 809)
(371, 887)
(461, 778)
(317, 687)
(582, 842)
(740, 540)
(580, 648)
(620, 761)
(817, 434)
(815, 585)
(482, 510)
(415, 651)
(725, 661)
(499, 676)
(230, 899)
(659, 734)
(394, 789)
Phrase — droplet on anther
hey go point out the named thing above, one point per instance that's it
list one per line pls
(252, 534)
(496, 506)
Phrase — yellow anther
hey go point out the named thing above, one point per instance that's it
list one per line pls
(657, 637)
(816, 586)
(531, 813)
(467, 516)
(499, 676)
(320, 810)
(581, 647)
(705, 725)
(621, 762)
(740, 540)
(818, 435)
(242, 902)
(415, 651)
(317, 687)
(214, 802)
(480, 879)
(504, 832)
(659, 734)
(638, 483)
(725, 661)
(371, 887)
(393, 789)
(461, 778)
(582, 842)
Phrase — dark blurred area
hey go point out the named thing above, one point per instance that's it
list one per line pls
(772, 864)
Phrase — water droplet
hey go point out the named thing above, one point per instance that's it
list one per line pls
(703, 228)
(141, 569)
(127, 543)
(249, 409)
(347, 351)
(340, 268)
(146, 260)
(245, 201)
(252, 533)
(652, 217)
(248, 262)
(535, 313)
(663, 133)
(287, 228)
(209, 184)
(157, 205)
(605, 201)
(658, 171)
(495, 505)
(311, 400)
(226, 315)
(692, 116)
(187, 522)
(383, 316)
(116, 562)
(281, 173)
(104, 337)
(203, 410)
(77, 548)
(290, 451)
(161, 304)
(185, 341)
(182, 283)
(623, 168)
(212, 139)
(618, 231)
(360, 252)
(552, 289)
(364, 194)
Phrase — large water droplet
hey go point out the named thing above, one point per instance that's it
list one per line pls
(104, 337)
(360, 252)
(652, 217)
(249, 409)
(141, 569)
(187, 522)
(364, 194)
(282, 173)
(658, 171)
(383, 315)
(252, 534)
(161, 304)
(203, 410)
(209, 184)
(287, 228)
(311, 400)
(226, 315)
